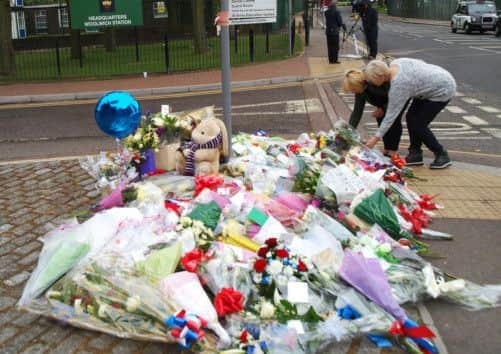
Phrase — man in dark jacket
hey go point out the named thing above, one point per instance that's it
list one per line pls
(369, 21)
(333, 21)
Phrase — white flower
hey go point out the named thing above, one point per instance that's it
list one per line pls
(275, 267)
(158, 121)
(137, 136)
(133, 303)
(268, 255)
(185, 221)
(198, 224)
(385, 248)
(288, 271)
(267, 310)
(103, 310)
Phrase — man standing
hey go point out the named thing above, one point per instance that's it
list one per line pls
(333, 21)
(369, 21)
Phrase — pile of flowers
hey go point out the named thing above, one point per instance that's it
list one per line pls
(297, 246)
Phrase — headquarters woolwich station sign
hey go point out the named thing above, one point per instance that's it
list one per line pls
(93, 14)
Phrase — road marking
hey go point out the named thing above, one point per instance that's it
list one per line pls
(471, 100)
(474, 120)
(495, 132)
(455, 109)
(489, 109)
(487, 50)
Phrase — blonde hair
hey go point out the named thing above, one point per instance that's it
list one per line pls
(354, 81)
(377, 72)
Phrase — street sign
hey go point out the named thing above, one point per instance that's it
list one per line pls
(245, 12)
(90, 15)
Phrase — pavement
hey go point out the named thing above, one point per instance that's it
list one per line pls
(42, 192)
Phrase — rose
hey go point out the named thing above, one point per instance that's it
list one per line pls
(262, 252)
(271, 242)
(267, 310)
(301, 266)
(282, 253)
(275, 267)
(260, 265)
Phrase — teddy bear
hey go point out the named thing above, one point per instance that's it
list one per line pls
(207, 147)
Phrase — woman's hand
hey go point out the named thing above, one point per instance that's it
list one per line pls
(378, 113)
(372, 142)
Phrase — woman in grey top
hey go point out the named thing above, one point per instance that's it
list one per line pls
(430, 87)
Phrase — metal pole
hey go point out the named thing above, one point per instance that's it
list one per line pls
(226, 72)
(290, 26)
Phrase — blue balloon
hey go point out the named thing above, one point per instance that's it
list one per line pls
(118, 114)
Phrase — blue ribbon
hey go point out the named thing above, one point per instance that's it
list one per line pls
(379, 341)
(348, 313)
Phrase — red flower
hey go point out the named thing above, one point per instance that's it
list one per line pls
(301, 266)
(271, 242)
(294, 148)
(260, 265)
(227, 301)
(262, 251)
(210, 182)
(282, 253)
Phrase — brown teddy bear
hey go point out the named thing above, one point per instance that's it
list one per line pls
(202, 154)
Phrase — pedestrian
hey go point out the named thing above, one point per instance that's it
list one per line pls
(369, 17)
(430, 87)
(355, 82)
(333, 22)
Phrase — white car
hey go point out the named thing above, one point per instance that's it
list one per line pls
(474, 16)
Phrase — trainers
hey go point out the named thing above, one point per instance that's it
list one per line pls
(442, 160)
(414, 158)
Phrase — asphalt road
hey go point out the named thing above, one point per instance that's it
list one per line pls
(68, 129)
(472, 121)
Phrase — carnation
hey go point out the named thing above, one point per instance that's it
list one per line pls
(275, 267)
(267, 310)
(260, 265)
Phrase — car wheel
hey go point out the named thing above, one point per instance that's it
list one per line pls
(467, 28)
(453, 29)
(482, 31)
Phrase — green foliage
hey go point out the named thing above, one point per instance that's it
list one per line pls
(285, 311)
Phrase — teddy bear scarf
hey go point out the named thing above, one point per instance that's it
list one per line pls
(189, 168)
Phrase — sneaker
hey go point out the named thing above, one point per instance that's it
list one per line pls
(415, 158)
(442, 160)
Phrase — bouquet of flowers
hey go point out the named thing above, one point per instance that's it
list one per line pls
(145, 137)
(167, 127)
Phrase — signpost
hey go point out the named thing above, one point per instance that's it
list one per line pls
(239, 12)
(89, 15)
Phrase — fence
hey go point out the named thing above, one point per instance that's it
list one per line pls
(429, 9)
(159, 47)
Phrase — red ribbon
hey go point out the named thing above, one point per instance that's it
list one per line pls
(158, 171)
(398, 161)
(210, 182)
(398, 329)
(417, 218)
(172, 206)
(192, 260)
(426, 203)
(227, 301)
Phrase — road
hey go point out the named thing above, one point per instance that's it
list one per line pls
(68, 129)
(472, 121)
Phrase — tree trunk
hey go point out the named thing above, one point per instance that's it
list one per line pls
(110, 39)
(7, 60)
(199, 35)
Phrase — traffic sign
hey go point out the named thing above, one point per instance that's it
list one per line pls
(245, 12)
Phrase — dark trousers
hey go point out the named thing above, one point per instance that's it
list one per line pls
(371, 37)
(391, 139)
(333, 46)
(421, 113)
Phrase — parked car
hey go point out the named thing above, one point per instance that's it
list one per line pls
(474, 16)
(498, 25)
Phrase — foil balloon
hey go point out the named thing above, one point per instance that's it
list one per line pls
(118, 114)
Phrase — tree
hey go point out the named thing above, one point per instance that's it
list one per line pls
(199, 34)
(7, 62)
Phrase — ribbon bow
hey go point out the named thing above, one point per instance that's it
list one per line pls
(210, 182)
(186, 328)
(192, 259)
(417, 334)
(228, 301)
